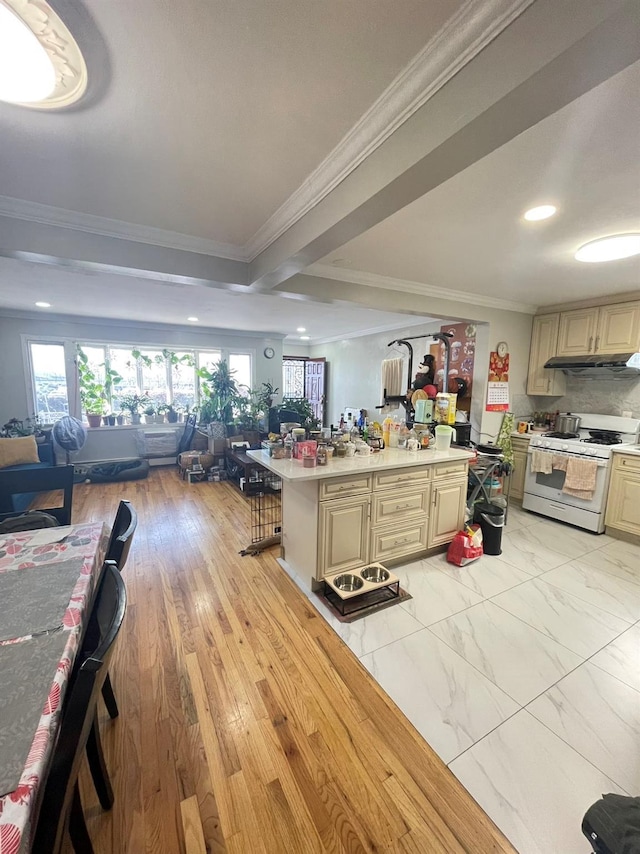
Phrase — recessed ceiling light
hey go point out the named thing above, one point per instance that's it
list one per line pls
(541, 212)
(43, 304)
(192, 319)
(41, 64)
(301, 329)
(609, 248)
(304, 337)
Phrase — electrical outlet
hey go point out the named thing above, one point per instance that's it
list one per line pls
(626, 413)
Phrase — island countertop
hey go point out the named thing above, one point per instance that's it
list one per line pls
(390, 458)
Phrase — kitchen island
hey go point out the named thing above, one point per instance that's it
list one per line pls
(388, 507)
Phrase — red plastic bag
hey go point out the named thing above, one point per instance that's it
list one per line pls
(465, 548)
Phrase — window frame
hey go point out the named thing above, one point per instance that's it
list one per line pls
(70, 346)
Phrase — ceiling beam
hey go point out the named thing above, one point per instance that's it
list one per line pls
(556, 51)
(67, 247)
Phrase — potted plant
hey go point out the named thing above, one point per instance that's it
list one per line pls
(172, 413)
(133, 403)
(302, 407)
(266, 394)
(220, 393)
(93, 393)
(109, 420)
(150, 414)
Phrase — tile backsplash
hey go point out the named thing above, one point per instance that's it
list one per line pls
(606, 396)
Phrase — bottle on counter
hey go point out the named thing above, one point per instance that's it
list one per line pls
(288, 446)
(341, 426)
(386, 430)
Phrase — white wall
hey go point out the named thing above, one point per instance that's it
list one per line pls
(295, 349)
(15, 400)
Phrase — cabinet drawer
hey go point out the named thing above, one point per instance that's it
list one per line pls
(457, 469)
(399, 505)
(401, 477)
(343, 487)
(628, 463)
(398, 542)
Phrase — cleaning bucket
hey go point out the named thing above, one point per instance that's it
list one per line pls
(490, 517)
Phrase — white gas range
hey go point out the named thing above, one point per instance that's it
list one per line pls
(595, 440)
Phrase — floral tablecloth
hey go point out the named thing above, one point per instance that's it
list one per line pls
(18, 552)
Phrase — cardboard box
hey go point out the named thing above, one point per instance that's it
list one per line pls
(217, 446)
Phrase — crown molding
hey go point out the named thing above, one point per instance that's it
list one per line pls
(374, 280)
(50, 215)
(374, 330)
(462, 37)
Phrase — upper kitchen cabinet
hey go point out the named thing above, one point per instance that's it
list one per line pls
(618, 328)
(577, 332)
(544, 343)
(606, 329)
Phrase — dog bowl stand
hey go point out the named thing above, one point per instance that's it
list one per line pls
(349, 602)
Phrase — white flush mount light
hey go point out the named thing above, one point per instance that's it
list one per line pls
(192, 319)
(304, 337)
(609, 248)
(301, 329)
(43, 304)
(41, 65)
(541, 212)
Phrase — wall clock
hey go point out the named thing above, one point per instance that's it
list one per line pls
(269, 352)
(502, 349)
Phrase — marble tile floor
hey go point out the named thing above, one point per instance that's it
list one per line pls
(522, 671)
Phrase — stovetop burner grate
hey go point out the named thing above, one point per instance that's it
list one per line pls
(603, 440)
(562, 435)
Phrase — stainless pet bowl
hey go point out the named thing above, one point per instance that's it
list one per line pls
(375, 574)
(348, 583)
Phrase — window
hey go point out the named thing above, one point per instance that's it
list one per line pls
(183, 380)
(49, 381)
(153, 371)
(240, 367)
(167, 376)
(293, 377)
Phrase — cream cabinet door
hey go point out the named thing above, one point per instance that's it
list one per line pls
(343, 536)
(577, 332)
(447, 511)
(618, 328)
(516, 489)
(623, 503)
(544, 343)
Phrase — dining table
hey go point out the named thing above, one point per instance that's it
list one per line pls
(48, 579)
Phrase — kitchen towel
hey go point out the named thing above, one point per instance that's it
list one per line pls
(393, 377)
(581, 478)
(541, 462)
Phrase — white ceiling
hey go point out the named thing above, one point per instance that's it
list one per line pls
(215, 121)
(82, 293)
(215, 112)
(468, 233)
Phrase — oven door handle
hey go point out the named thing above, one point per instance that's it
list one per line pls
(601, 463)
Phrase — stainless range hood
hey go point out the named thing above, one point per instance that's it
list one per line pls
(619, 366)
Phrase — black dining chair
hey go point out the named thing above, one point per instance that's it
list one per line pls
(61, 807)
(122, 532)
(124, 527)
(21, 481)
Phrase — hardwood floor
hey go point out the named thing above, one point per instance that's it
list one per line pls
(246, 725)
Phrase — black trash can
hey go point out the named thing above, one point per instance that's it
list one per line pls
(490, 517)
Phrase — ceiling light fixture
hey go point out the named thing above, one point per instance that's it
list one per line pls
(609, 248)
(192, 319)
(41, 65)
(304, 337)
(541, 212)
(43, 304)
(301, 329)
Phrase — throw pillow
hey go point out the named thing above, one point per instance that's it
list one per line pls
(15, 452)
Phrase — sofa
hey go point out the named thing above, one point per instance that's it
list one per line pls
(46, 459)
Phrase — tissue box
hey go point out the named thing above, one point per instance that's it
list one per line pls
(298, 451)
